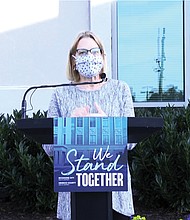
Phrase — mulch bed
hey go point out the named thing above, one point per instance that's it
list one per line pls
(9, 211)
(158, 214)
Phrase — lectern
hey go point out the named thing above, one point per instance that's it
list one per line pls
(90, 205)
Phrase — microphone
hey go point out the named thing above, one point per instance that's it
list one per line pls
(23, 105)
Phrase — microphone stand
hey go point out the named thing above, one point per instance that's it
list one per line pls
(23, 105)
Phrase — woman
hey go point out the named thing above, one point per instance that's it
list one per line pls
(111, 98)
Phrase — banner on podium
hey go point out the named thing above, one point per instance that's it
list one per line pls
(90, 154)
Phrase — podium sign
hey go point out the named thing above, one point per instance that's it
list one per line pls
(90, 154)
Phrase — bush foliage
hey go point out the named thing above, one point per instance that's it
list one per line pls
(160, 164)
(26, 172)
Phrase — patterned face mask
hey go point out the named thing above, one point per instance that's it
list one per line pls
(89, 65)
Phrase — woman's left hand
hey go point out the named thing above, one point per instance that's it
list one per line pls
(100, 112)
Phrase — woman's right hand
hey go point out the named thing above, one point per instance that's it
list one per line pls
(81, 112)
(85, 112)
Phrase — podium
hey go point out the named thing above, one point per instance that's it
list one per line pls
(90, 205)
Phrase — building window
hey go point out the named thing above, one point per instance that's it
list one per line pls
(79, 139)
(118, 139)
(150, 39)
(92, 139)
(65, 122)
(105, 122)
(93, 122)
(105, 139)
(117, 122)
(79, 122)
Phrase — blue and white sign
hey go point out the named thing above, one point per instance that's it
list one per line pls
(90, 154)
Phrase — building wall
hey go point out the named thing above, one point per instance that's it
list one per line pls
(36, 53)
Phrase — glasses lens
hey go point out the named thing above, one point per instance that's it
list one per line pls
(82, 52)
(95, 51)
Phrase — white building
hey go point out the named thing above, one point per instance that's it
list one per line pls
(35, 36)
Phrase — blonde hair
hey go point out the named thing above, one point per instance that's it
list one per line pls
(71, 72)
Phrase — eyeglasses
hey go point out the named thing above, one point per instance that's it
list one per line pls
(94, 51)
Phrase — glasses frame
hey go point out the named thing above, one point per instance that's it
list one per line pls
(86, 51)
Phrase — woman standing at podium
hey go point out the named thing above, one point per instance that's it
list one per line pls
(111, 98)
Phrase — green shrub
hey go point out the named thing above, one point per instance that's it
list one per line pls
(160, 164)
(26, 172)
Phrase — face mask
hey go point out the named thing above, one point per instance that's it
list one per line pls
(89, 65)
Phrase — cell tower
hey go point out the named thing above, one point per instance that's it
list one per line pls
(161, 58)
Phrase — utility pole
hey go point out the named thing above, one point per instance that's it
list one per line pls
(161, 58)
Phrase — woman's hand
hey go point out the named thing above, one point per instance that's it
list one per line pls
(100, 112)
(81, 112)
(85, 112)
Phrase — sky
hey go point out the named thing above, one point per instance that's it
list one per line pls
(140, 31)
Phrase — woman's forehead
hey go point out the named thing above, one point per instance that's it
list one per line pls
(87, 43)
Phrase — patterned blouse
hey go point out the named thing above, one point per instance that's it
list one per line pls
(115, 100)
